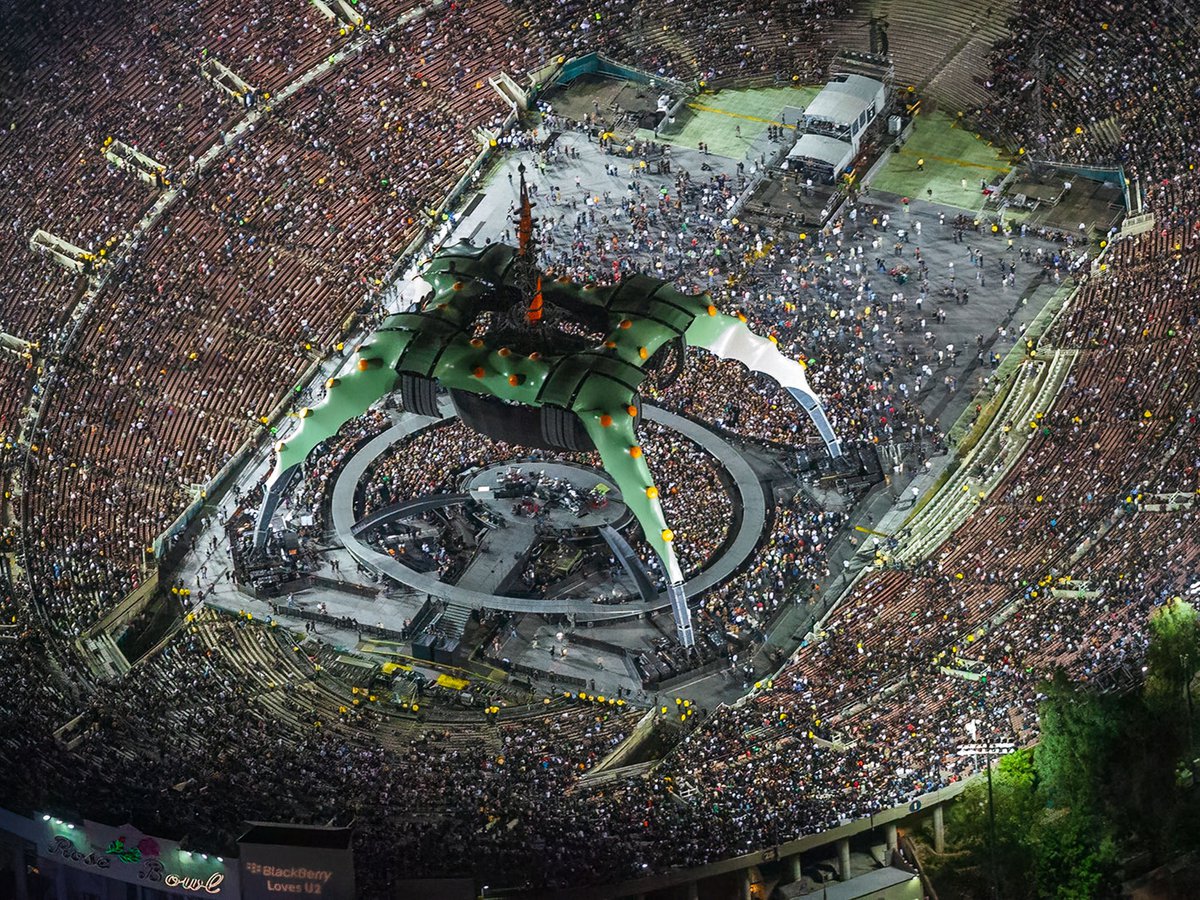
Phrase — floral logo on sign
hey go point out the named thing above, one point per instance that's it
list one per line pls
(126, 854)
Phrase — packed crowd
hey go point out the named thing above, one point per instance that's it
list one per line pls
(789, 567)
(687, 39)
(872, 344)
(1100, 82)
(234, 295)
(863, 718)
(260, 260)
(309, 499)
(294, 743)
(694, 493)
(1046, 574)
(695, 498)
(429, 463)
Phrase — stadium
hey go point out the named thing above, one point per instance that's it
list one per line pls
(599, 449)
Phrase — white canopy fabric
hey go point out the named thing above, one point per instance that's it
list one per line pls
(837, 107)
(837, 154)
(868, 90)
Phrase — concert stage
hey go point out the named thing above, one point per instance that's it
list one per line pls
(1064, 201)
(788, 199)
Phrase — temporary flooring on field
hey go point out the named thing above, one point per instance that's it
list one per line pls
(956, 160)
(717, 118)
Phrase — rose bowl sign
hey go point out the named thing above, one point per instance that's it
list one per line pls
(127, 855)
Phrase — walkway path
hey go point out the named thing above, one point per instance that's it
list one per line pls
(496, 557)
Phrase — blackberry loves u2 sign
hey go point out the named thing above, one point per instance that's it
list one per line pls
(282, 861)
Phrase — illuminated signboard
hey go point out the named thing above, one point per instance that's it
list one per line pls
(280, 861)
(126, 854)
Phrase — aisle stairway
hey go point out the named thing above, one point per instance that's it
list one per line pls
(102, 656)
(454, 619)
(1036, 385)
(941, 49)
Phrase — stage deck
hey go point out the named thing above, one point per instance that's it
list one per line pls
(1096, 204)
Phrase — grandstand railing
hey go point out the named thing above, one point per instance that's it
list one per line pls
(599, 64)
(918, 807)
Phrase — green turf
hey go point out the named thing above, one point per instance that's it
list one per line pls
(750, 110)
(955, 161)
(764, 103)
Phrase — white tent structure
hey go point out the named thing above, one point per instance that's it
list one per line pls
(845, 107)
(867, 89)
(822, 154)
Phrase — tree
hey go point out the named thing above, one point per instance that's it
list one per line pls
(1079, 737)
(1071, 862)
(1016, 770)
(1102, 783)
(1039, 853)
(965, 871)
(1173, 658)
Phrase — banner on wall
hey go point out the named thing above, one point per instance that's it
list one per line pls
(280, 861)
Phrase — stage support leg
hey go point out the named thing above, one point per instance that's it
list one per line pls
(683, 616)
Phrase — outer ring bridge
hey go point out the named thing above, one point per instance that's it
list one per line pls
(749, 528)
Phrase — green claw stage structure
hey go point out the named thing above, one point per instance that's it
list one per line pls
(556, 365)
